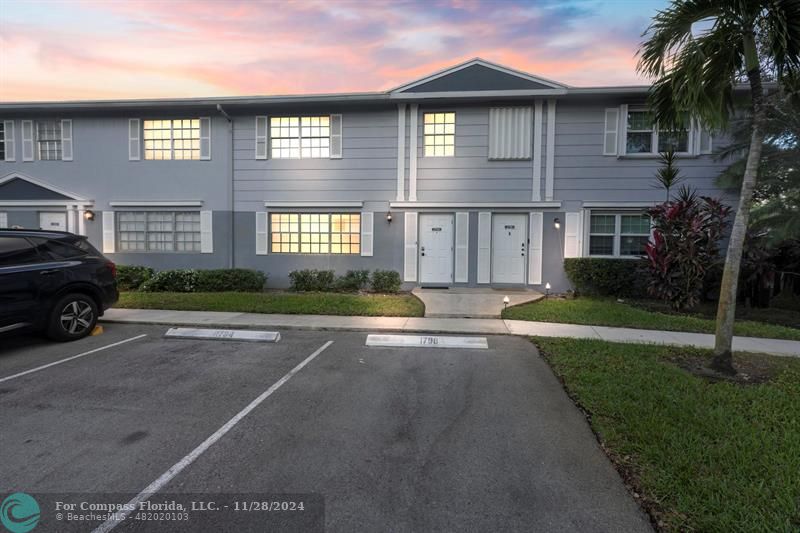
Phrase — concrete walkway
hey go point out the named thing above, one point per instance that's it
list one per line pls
(444, 325)
(471, 302)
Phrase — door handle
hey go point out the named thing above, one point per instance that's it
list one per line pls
(48, 272)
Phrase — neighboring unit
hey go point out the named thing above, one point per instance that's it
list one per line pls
(478, 175)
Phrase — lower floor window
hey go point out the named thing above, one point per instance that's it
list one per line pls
(158, 231)
(315, 233)
(617, 234)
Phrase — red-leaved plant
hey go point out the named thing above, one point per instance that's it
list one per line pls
(684, 248)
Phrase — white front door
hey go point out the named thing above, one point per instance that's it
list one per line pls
(509, 248)
(53, 221)
(435, 248)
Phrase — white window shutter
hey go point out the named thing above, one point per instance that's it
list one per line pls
(134, 143)
(367, 219)
(573, 232)
(66, 140)
(206, 232)
(262, 235)
(3, 220)
(262, 146)
(462, 248)
(510, 132)
(336, 136)
(484, 246)
(410, 248)
(27, 140)
(109, 233)
(704, 142)
(535, 235)
(611, 131)
(205, 138)
(8, 140)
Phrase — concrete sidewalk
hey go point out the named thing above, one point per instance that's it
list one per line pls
(444, 325)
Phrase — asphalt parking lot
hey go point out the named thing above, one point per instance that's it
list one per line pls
(400, 439)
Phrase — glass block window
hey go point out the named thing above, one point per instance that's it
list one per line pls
(300, 137)
(618, 234)
(48, 140)
(439, 139)
(315, 233)
(158, 231)
(172, 139)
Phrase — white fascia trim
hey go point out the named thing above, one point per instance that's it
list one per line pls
(43, 184)
(157, 203)
(473, 94)
(484, 63)
(37, 203)
(476, 205)
(314, 204)
(619, 205)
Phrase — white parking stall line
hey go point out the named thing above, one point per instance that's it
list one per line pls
(67, 359)
(178, 467)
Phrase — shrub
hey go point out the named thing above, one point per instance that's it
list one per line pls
(607, 277)
(131, 277)
(353, 281)
(178, 280)
(311, 280)
(386, 281)
(683, 252)
(230, 279)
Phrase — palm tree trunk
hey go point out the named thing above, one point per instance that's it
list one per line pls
(726, 309)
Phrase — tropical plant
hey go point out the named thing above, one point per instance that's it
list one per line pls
(668, 174)
(776, 197)
(684, 248)
(698, 74)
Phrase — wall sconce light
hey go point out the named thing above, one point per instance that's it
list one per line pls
(557, 223)
(389, 217)
(88, 215)
(547, 290)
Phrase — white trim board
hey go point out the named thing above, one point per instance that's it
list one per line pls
(46, 203)
(43, 184)
(619, 205)
(471, 94)
(476, 205)
(314, 204)
(157, 203)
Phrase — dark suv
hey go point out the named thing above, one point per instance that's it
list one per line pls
(54, 282)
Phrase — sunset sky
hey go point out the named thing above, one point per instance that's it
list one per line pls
(84, 49)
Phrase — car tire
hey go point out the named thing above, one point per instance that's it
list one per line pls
(73, 317)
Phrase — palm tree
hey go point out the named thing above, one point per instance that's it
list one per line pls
(700, 74)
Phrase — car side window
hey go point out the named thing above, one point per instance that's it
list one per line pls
(17, 251)
(54, 250)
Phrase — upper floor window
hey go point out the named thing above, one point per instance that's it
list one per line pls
(618, 234)
(316, 233)
(172, 139)
(643, 136)
(2, 141)
(439, 138)
(158, 231)
(48, 140)
(300, 137)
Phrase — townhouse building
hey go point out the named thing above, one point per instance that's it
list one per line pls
(478, 175)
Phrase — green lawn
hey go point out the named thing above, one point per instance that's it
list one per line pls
(278, 302)
(609, 312)
(704, 456)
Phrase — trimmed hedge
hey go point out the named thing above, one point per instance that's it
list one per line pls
(230, 279)
(608, 277)
(131, 277)
(178, 280)
(386, 281)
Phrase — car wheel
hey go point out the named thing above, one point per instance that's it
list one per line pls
(73, 317)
